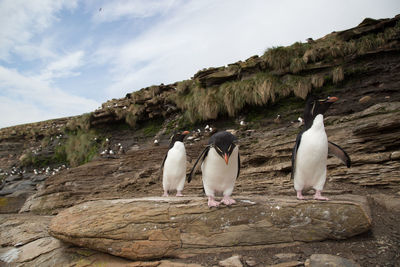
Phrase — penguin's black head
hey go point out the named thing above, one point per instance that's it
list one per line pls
(315, 106)
(224, 143)
(178, 137)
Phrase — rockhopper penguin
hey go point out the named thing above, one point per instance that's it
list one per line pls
(174, 164)
(311, 150)
(220, 167)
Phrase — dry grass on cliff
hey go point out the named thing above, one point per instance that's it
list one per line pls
(280, 76)
(281, 58)
(231, 97)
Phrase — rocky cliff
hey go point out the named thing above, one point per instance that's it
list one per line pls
(81, 167)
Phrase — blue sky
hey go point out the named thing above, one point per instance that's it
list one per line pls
(62, 58)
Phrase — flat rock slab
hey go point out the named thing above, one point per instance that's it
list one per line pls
(153, 228)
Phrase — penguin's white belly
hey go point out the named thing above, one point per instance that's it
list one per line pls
(311, 160)
(175, 167)
(217, 175)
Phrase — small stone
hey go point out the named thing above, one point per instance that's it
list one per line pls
(288, 264)
(395, 155)
(167, 263)
(286, 256)
(372, 255)
(329, 260)
(233, 261)
(365, 99)
(251, 263)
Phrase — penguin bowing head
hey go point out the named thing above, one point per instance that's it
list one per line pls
(220, 167)
(224, 143)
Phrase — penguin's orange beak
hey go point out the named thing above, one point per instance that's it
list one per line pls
(226, 158)
(332, 99)
(186, 132)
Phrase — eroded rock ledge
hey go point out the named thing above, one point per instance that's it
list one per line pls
(152, 228)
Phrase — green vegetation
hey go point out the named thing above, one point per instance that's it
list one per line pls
(38, 160)
(280, 58)
(151, 127)
(285, 107)
(81, 122)
(77, 148)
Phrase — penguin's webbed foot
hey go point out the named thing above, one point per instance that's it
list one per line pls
(228, 201)
(318, 196)
(212, 202)
(300, 196)
(179, 194)
(165, 194)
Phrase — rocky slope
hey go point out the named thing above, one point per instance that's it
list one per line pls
(364, 122)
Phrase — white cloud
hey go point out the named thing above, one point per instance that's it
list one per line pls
(20, 20)
(63, 67)
(108, 11)
(44, 49)
(28, 98)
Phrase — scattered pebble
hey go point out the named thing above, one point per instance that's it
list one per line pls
(233, 261)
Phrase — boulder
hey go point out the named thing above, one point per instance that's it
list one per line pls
(12, 203)
(153, 228)
(216, 76)
(24, 241)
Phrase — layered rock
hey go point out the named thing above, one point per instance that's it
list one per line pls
(265, 166)
(25, 241)
(151, 228)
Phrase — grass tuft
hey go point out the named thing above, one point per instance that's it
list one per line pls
(337, 75)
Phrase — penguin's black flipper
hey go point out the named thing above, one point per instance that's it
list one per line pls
(337, 151)
(295, 148)
(203, 154)
(163, 162)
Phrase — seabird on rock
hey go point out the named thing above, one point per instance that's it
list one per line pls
(278, 119)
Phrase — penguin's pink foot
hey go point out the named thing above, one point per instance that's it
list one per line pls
(212, 202)
(165, 194)
(318, 196)
(300, 196)
(228, 201)
(179, 194)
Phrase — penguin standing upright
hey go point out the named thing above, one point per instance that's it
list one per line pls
(174, 164)
(311, 150)
(220, 167)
